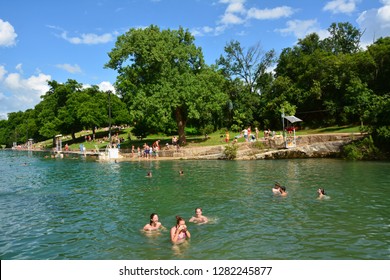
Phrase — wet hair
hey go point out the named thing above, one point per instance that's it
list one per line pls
(283, 188)
(151, 218)
(322, 191)
(198, 208)
(178, 219)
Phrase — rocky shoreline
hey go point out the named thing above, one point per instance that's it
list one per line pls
(307, 146)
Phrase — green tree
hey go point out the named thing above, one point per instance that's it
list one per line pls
(344, 38)
(380, 55)
(51, 116)
(360, 99)
(162, 76)
(248, 79)
(248, 66)
(323, 74)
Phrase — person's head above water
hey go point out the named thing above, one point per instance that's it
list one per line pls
(321, 191)
(153, 218)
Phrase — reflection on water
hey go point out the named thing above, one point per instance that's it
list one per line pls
(81, 209)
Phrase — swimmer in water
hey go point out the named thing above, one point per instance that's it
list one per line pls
(321, 193)
(154, 224)
(282, 191)
(149, 174)
(179, 233)
(276, 188)
(198, 218)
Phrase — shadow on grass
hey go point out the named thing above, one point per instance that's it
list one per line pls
(335, 128)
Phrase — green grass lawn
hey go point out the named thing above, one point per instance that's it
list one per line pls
(331, 129)
(215, 138)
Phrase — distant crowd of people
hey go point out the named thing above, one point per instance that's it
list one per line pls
(247, 134)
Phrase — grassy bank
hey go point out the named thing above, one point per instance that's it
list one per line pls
(215, 138)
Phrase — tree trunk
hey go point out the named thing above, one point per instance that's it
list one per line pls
(181, 124)
(73, 137)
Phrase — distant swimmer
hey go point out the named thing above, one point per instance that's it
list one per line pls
(282, 191)
(276, 188)
(179, 233)
(154, 224)
(321, 194)
(149, 174)
(181, 172)
(198, 218)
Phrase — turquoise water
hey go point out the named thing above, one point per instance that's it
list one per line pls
(77, 208)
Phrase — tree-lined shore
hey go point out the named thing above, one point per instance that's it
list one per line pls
(164, 86)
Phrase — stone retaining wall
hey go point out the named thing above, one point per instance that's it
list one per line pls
(307, 146)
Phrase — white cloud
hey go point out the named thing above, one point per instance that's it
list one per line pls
(103, 86)
(2, 72)
(19, 68)
(70, 68)
(89, 38)
(106, 86)
(275, 13)
(375, 23)
(384, 14)
(236, 6)
(302, 28)
(18, 93)
(230, 18)
(7, 34)
(201, 31)
(341, 6)
(236, 13)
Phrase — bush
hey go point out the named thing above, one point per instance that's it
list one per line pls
(258, 145)
(191, 131)
(364, 149)
(208, 129)
(230, 151)
(235, 127)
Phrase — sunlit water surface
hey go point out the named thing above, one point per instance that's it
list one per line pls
(77, 208)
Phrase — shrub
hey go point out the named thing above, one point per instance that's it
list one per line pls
(208, 129)
(258, 145)
(362, 149)
(230, 151)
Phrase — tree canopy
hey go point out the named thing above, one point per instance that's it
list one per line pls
(164, 85)
(163, 79)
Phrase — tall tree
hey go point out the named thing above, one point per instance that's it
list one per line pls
(344, 38)
(54, 102)
(161, 76)
(247, 71)
(248, 66)
(380, 53)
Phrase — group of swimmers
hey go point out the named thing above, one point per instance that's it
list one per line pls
(281, 190)
(149, 174)
(179, 232)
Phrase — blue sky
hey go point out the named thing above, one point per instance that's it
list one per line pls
(45, 40)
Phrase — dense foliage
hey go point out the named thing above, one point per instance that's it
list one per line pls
(163, 85)
(65, 109)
